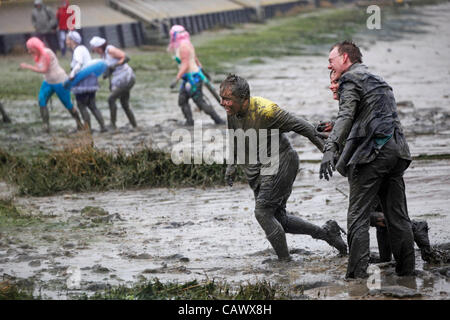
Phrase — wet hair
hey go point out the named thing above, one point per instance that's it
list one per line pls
(239, 86)
(350, 48)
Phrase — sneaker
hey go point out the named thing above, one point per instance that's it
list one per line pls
(334, 238)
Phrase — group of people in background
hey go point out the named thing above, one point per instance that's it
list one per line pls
(121, 76)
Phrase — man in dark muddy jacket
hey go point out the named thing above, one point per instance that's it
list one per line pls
(270, 163)
(373, 155)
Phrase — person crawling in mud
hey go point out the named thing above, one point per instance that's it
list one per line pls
(377, 219)
(5, 117)
(54, 78)
(271, 188)
(189, 70)
(367, 145)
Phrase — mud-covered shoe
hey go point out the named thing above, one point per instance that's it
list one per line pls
(334, 239)
(435, 255)
(420, 232)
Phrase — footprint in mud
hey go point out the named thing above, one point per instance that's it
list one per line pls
(100, 269)
(275, 263)
(178, 257)
(141, 256)
(311, 285)
(300, 251)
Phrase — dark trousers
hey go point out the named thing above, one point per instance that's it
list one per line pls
(382, 177)
(197, 96)
(123, 94)
(271, 194)
(86, 101)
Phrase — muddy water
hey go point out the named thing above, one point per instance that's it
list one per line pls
(185, 234)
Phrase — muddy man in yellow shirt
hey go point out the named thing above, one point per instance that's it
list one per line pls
(271, 181)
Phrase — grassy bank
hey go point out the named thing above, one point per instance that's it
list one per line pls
(88, 169)
(156, 290)
(10, 215)
(193, 290)
(11, 291)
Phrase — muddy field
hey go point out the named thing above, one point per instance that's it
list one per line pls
(122, 237)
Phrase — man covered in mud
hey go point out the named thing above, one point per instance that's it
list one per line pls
(271, 188)
(191, 73)
(377, 219)
(367, 145)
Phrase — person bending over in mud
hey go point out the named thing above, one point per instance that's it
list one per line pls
(122, 78)
(377, 219)
(374, 158)
(86, 89)
(191, 74)
(271, 188)
(5, 117)
(54, 78)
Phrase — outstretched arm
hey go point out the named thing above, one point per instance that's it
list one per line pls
(39, 68)
(348, 102)
(283, 120)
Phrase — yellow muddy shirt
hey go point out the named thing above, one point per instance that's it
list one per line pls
(265, 114)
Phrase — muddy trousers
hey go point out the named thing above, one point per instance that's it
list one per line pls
(46, 117)
(86, 101)
(4, 115)
(420, 234)
(124, 95)
(271, 194)
(276, 222)
(183, 102)
(382, 177)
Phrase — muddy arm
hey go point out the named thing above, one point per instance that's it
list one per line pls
(287, 122)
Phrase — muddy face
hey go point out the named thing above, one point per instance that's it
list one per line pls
(231, 104)
(334, 84)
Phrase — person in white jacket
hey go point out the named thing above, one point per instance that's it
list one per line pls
(86, 89)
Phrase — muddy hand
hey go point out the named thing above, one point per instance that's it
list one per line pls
(327, 166)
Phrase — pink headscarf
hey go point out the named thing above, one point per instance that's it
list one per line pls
(37, 44)
(177, 35)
